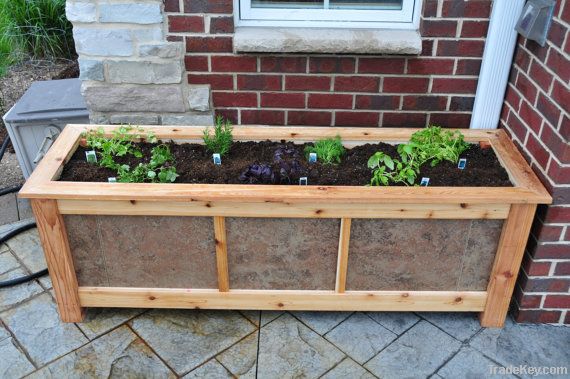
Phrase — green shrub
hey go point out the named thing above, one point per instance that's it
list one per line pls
(329, 150)
(221, 141)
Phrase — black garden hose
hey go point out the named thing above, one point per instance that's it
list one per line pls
(23, 228)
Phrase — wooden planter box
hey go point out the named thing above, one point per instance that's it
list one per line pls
(284, 247)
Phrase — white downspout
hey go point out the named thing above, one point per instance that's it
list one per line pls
(496, 65)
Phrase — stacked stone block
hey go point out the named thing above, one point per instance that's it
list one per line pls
(130, 73)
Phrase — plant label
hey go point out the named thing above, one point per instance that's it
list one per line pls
(424, 182)
(112, 179)
(303, 181)
(217, 159)
(312, 157)
(462, 163)
(91, 156)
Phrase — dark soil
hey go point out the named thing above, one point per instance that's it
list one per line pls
(194, 165)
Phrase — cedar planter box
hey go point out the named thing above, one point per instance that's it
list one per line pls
(284, 247)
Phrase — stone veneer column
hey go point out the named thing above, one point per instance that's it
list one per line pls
(130, 73)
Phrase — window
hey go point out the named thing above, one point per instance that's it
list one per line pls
(393, 14)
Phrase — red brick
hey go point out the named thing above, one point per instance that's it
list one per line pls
(556, 144)
(234, 99)
(474, 29)
(461, 103)
(548, 109)
(526, 88)
(196, 63)
(567, 319)
(307, 83)
(438, 28)
(284, 64)
(540, 76)
(526, 301)
(424, 103)
(330, 101)
(522, 59)
(171, 38)
(536, 50)
(538, 151)
(557, 301)
(430, 8)
(228, 114)
(410, 120)
(545, 233)
(530, 116)
(451, 120)
(208, 6)
(234, 63)
(381, 65)
(561, 95)
(557, 33)
(262, 117)
(356, 83)
(454, 85)
(332, 65)
(186, 24)
(171, 6)
(556, 214)
(221, 25)
(544, 285)
(512, 97)
(565, 128)
(516, 126)
(379, 102)
(559, 64)
(318, 118)
(366, 119)
(216, 81)
(259, 82)
(565, 14)
(460, 48)
(209, 44)
(405, 85)
(552, 251)
(562, 268)
(534, 268)
(558, 173)
(537, 316)
(430, 66)
(466, 9)
(282, 100)
(427, 47)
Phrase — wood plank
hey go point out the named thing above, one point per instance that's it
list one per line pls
(343, 248)
(221, 253)
(507, 264)
(284, 209)
(53, 235)
(444, 301)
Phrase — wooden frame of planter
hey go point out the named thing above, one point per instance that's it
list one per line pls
(53, 202)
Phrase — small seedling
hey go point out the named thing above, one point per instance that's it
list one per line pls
(303, 181)
(221, 141)
(217, 159)
(312, 157)
(112, 179)
(424, 182)
(462, 163)
(91, 156)
(328, 150)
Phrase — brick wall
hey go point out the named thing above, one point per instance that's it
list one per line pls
(536, 115)
(437, 87)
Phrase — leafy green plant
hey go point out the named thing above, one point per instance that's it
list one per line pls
(160, 167)
(222, 139)
(329, 150)
(428, 145)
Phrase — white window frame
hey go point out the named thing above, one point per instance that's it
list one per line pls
(406, 18)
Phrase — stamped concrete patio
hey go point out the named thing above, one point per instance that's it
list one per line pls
(223, 344)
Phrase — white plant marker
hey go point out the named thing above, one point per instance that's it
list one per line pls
(217, 159)
(424, 182)
(112, 179)
(303, 181)
(462, 163)
(312, 157)
(91, 156)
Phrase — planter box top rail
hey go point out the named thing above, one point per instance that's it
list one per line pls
(527, 187)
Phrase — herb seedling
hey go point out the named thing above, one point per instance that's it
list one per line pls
(222, 139)
(329, 150)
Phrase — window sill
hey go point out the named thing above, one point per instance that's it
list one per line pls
(325, 40)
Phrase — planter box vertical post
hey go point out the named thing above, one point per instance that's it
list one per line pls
(221, 253)
(53, 235)
(342, 263)
(507, 262)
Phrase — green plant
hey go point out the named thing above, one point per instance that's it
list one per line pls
(428, 145)
(160, 167)
(329, 150)
(222, 139)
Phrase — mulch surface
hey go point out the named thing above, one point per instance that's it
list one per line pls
(194, 165)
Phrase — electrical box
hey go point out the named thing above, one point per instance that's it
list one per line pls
(535, 20)
(36, 120)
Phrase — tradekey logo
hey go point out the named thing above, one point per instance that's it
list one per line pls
(528, 370)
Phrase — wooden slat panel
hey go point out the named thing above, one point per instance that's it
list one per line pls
(507, 264)
(221, 253)
(343, 248)
(443, 301)
(284, 209)
(53, 235)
